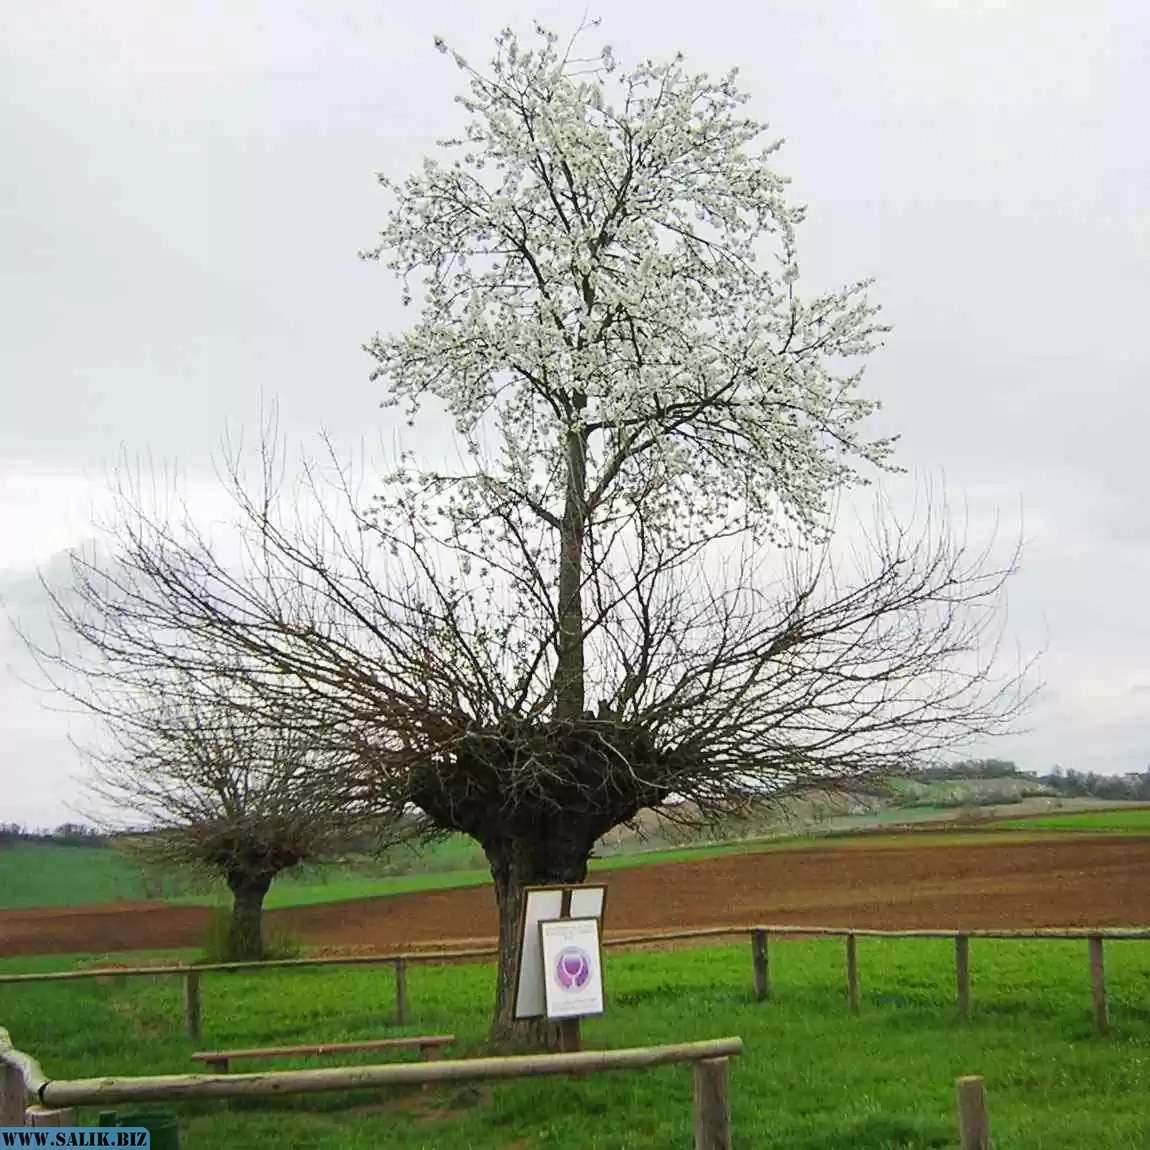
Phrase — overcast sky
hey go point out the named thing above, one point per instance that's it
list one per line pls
(186, 185)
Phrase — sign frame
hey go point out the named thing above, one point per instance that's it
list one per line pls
(528, 940)
(596, 975)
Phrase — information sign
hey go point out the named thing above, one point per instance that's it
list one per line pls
(541, 903)
(572, 966)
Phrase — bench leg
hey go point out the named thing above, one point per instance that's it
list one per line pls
(218, 1066)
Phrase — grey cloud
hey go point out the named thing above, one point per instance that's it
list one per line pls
(192, 183)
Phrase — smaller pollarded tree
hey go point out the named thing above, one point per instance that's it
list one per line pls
(220, 785)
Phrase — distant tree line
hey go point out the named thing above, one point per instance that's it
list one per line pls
(968, 769)
(65, 835)
(1130, 787)
(1133, 786)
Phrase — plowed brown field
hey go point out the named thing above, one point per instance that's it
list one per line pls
(1067, 881)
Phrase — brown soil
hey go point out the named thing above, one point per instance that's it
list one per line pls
(1069, 881)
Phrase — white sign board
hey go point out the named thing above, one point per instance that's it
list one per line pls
(547, 903)
(572, 966)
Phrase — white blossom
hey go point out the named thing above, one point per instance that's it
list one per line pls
(610, 252)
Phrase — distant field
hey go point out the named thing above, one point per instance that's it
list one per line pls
(45, 875)
(949, 880)
(812, 1076)
(42, 874)
(35, 875)
(1132, 821)
(322, 885)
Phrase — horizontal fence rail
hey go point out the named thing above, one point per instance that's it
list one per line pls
(759, 935)
(1115, 934)
(268, 964)
(173, 1087)
(22, 1078)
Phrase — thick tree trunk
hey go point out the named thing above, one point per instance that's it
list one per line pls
(245, 932)
(514, 866)
(537, 795)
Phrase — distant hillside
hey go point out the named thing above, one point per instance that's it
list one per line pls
(1130, 787)
(981, 792)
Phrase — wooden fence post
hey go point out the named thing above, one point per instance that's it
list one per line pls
(192, 1009)
(853, 996)
(973, 1121)
(37, 1116)
(1098, 983)
(570, 1036)
(401, 992)
(712, 1104)
(570, 1030)
(12, 1094)
(962, 973)
(762, 964)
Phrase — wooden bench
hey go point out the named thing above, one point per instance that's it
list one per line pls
(428, 1045)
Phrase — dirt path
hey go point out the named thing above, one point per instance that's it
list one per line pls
(1070, 881)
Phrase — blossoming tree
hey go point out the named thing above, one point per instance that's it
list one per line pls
(605, 271)
(623, 597)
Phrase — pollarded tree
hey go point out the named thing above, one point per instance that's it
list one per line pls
(218, 784)
(597, 615)
(725, 676)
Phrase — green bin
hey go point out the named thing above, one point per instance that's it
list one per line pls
(163, 1125)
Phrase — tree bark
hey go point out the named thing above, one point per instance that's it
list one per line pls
(245, 931)
(569, 669)
(516, 865)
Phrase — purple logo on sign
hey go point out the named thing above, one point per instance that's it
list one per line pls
(572, 968)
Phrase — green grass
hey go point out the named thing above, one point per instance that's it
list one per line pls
(1133, 821)
(812, 1078)
(44, 874)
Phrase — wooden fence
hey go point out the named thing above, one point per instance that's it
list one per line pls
(760, 936)
(21, 1079)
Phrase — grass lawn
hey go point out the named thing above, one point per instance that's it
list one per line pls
(1132, 821)
(813, 1077)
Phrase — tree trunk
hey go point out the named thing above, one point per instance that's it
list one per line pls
(245, 932)
(569, 670)
(514, 866)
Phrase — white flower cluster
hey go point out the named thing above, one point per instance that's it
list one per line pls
(606, 271)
